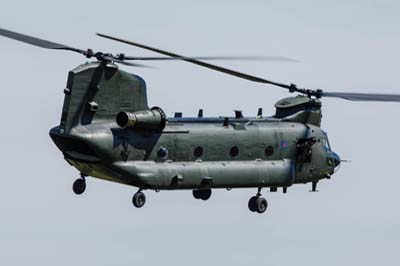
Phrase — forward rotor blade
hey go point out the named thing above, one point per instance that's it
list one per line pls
(370, 97)
(37, 42)
(203, 64)
(130, 64)
(246, 58)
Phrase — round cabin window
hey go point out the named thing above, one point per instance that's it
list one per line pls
(162, 153)
(269, 151)
(198, 152)
(234, 151)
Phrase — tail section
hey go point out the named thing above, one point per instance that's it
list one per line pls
(99, 91)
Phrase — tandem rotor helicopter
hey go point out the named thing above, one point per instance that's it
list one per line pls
(108, 131)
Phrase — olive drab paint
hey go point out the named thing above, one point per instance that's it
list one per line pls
(185, 153)
(97, 91)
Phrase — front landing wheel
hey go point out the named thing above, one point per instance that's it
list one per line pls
(139, 199)
(261, 205)
(79, 186)
(258, 204)
(253, 204)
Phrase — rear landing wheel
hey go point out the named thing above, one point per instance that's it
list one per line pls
(139, 199)
(79, 186)
(203, 194)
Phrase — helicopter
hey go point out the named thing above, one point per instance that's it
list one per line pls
(108, 131)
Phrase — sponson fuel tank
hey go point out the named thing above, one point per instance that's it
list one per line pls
(173, 175)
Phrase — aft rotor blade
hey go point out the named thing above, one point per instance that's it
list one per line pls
(245, 58)
(370, 97)
(203, 64)
(37, 42)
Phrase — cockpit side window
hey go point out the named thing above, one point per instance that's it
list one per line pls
(326, 144)
(325, 141)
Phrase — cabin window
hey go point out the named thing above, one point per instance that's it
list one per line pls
(162, 152)
(234, 151)
(269, 151)
(198, 152)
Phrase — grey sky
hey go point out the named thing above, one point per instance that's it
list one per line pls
(342, 46)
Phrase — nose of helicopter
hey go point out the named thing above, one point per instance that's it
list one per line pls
(333, 160)
(336, 159)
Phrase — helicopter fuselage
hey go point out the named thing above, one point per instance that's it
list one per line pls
(108, 131)
(200, 153)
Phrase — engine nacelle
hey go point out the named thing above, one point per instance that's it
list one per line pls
(147, 119)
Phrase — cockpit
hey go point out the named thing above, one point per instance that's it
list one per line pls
(332, 157)
(325, 142)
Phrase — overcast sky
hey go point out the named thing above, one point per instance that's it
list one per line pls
(342, 45)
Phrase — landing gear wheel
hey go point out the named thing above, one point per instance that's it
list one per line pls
(206, 194)
(252, 204)
(139, 199)
(79, 186)
(203, 194)
(261, 205)
(196, 194)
